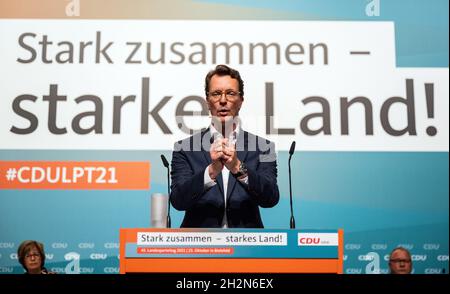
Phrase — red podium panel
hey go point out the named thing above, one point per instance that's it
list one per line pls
(229, 251)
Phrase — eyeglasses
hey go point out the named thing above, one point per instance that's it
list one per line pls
(31, 255)
(400, 260)
(230, 95)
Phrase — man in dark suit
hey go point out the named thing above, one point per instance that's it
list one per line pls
(221, 175)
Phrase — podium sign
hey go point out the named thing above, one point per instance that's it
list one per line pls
(230, 251)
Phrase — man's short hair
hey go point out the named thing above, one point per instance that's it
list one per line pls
(401, 249)
(224, 70)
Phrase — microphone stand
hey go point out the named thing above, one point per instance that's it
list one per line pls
(166, 165)
(169, 222)
(291, 151)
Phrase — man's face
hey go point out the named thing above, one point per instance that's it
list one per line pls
(222, 102)
(400, 262)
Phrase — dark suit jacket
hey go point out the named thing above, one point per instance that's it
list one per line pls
(205, 208)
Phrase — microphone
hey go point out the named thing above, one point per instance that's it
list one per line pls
(166, 165)
(291, 151)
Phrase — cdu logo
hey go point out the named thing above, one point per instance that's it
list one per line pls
(59, 245)
(418, 257)
(86, 245)
(433, 271)
(351, 246)
(379, 246)
(111, 245)
(97, 256)
(111, 270)
(406, 246)
(365, 257)
(309, 241)
(6, 269)
(353, 271)
(58, 270)
(442, 258)
(431, 246)
(6, 245)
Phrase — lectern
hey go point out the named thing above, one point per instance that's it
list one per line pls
(230, 251)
